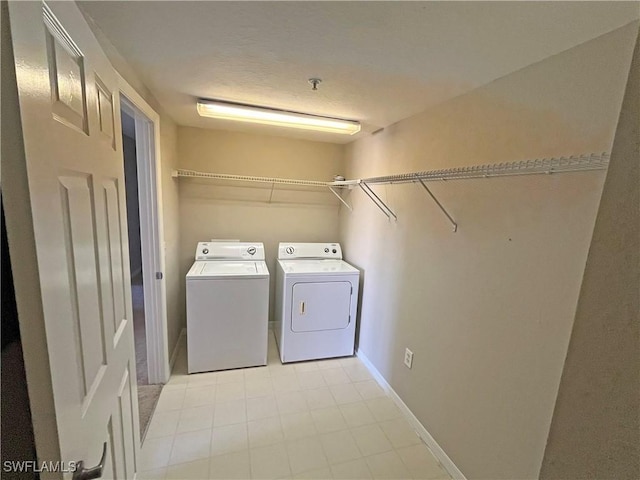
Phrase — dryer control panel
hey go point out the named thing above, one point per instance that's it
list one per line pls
(301, 251)
(230, 251)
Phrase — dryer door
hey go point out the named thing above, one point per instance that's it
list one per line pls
(320, 306)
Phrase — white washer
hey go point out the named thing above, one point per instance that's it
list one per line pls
(227, 307)
(316, 302)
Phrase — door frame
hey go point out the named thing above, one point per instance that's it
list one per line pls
(147, 122)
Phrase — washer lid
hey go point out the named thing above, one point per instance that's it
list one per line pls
(227, 270)
(317, 267)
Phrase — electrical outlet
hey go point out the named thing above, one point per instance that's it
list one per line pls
(408, 357)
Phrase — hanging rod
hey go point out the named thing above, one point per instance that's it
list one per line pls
(580, 163)
(246, 178)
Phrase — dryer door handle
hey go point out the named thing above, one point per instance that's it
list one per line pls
(301, 308)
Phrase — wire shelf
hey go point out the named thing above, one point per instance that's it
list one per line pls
(580, 163)
(247, 178)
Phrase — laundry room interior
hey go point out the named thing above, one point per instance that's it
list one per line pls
(489, 202)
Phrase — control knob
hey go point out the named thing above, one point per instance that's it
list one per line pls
(289, 250)
(205, 251)
(251, 250)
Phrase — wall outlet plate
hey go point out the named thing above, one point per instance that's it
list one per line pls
(408, 358)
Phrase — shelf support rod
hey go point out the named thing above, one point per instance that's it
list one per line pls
(433, 197)
(273, 184)
(377, 200)
(341, 199)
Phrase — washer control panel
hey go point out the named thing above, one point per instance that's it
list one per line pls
(292, 251)
(230, 251)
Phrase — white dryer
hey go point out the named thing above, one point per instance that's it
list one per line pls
(316, 302)
(227, 307)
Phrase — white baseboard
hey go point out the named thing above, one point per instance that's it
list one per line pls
(422, 432)
(176, 349)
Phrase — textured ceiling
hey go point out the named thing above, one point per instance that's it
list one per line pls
(380, 61)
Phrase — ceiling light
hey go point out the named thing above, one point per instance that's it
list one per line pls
(280, 118)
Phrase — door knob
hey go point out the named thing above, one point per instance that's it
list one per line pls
(82, 473)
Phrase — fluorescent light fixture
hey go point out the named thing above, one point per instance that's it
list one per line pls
(280, 118)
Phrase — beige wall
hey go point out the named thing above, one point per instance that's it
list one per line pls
(213, 209)
(171, 227)
(487, 311)
(595, 431)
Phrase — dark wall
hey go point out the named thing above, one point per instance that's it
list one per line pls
(10, 325)
(18, 443)
(133, 208)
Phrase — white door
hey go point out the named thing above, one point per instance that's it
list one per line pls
(320, 306)
(69, 110)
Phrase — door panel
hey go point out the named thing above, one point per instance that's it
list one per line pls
(122, 432)
(78, 220)
(66, 74)
(105, 112)
(75, 171)
(111, 467)
(125, 409)
(320, 306)
(114, 254)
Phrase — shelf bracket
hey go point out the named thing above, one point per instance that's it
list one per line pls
(341, 199)
(453, 222)
(377, 200)
(273, 184)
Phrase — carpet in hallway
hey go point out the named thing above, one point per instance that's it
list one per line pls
(148, 396)
(140, 334)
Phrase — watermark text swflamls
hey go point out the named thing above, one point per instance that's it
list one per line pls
(22, 466)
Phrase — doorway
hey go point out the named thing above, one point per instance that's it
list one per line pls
(145, 259)
(16, 423)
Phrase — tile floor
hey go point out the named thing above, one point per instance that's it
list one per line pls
(323, 419)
